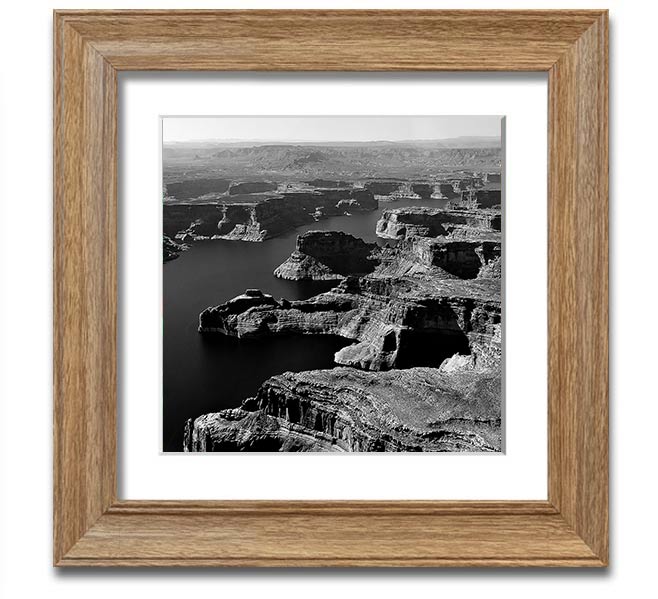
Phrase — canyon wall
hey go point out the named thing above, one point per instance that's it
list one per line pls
(434, 222)
(419, 409)
(261, 219)
(395, 322)
(327, 255)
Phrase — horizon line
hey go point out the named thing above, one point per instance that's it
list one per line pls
(363, 141)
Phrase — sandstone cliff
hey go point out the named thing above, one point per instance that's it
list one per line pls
(328, 255)
(333, 255)
(419, 221)
(343, 409)
(262, 218)
(443, 258)
(395, 322)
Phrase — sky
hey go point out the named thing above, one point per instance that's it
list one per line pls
(326, 128)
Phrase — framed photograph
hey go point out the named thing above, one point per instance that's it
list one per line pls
(354, 288)
(382, 238)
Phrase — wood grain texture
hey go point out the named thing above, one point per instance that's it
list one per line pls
(332, 40)
(92, 527)
(85, 288)
(578, 287)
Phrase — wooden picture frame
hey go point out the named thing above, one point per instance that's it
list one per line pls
(92, 527)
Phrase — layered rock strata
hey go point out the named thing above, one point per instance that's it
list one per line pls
(328, 255)
(433, 222)
(332, 256)
(344, 409)
(463, 259)
(394, 321)
(262, 219)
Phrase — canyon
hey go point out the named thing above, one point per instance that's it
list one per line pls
(424, 320)
(371, 320)
(261, 217)
(253, 212)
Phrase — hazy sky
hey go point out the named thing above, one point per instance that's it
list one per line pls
(327, 128)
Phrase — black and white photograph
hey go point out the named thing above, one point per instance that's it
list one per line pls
(332, 283)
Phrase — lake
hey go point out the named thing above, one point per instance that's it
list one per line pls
(203, 374)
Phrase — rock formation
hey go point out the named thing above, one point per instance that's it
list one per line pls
(251, 187)
(261, 219)
(328, 255)
(488, 197)
(194, 188)
(333, 255)
(423, 190)
(344, 409)
(395, 322)
(433, 222)
(463, 259)
(171, 249)
(423, 370)
(492, 178)
(383, 188)
(443, 191)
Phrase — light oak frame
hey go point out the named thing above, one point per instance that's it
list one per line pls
(92, 527)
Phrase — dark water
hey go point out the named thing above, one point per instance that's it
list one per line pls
(205, 374)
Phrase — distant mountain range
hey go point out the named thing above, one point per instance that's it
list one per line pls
(345, 160)
(451, 142)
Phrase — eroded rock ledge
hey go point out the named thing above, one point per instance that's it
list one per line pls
(443, 257)
(333, 256)
(328, 255)
(395, 322)
(344, 409)
(401, 223)
(263, 218)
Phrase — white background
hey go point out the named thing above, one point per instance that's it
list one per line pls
(25, 343)
(520, 473)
